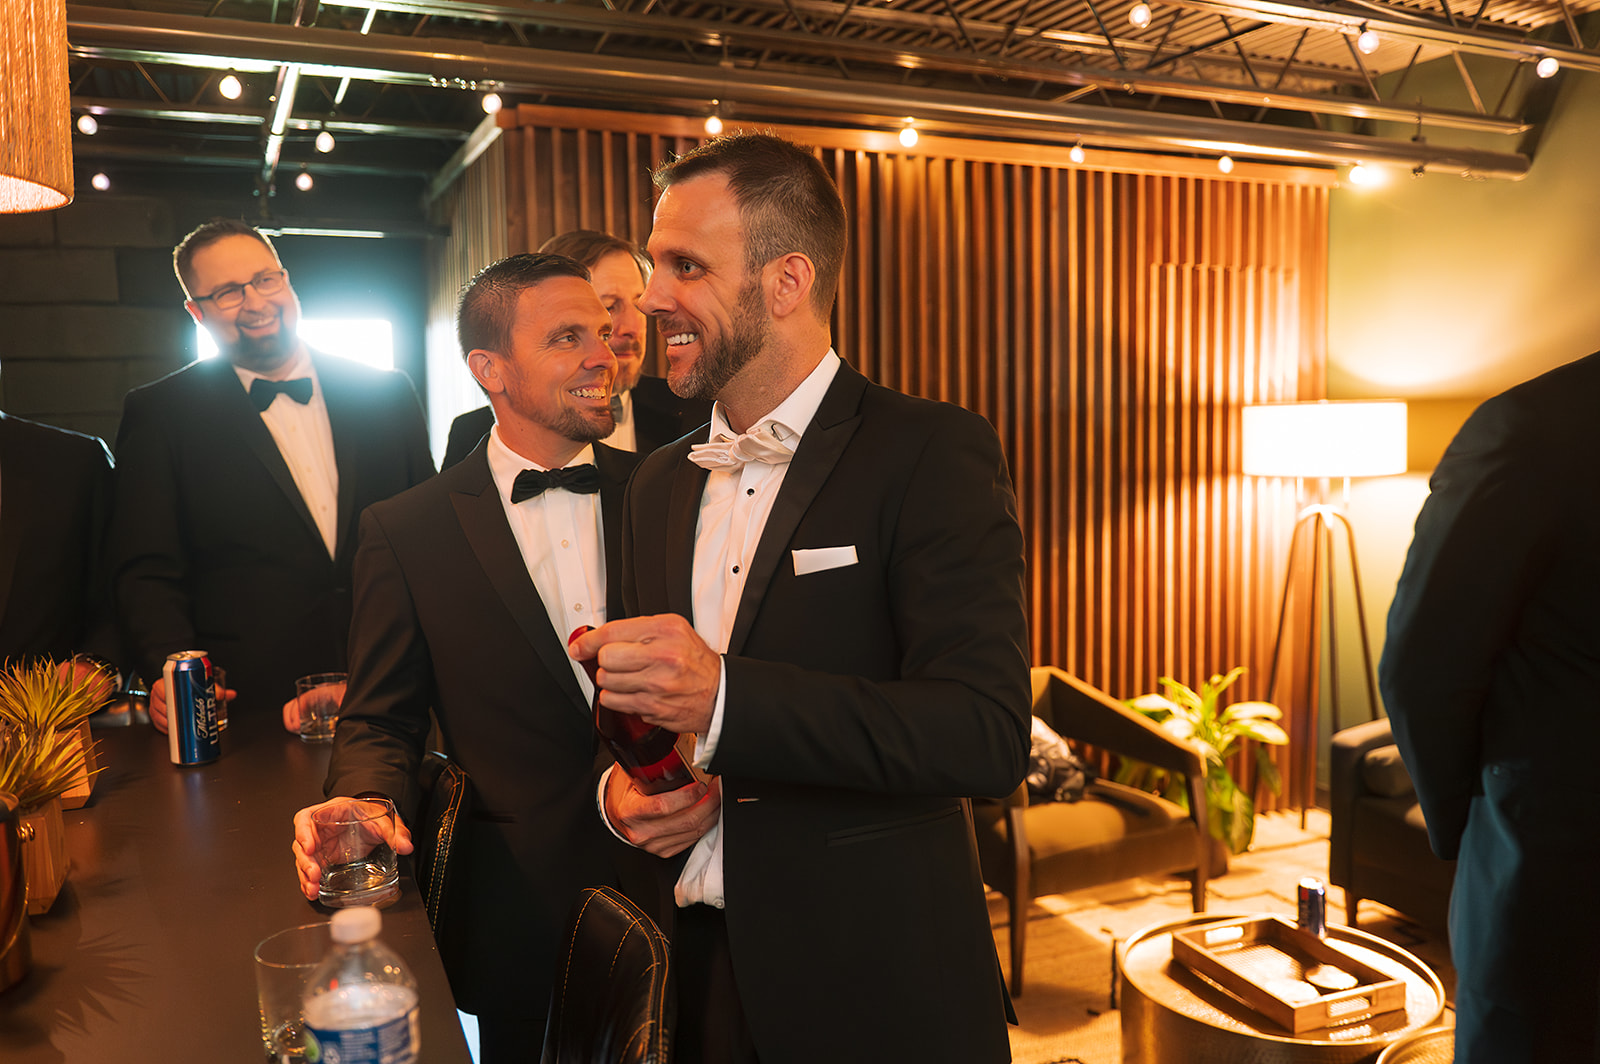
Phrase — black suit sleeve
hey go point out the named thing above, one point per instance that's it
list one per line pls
(1483, 541)
(384, 722)
(955, 721)
(148, 560)
(466, 432)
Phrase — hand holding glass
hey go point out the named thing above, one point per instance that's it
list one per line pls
(318, 697)
(355, 851)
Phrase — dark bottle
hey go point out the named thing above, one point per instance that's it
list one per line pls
(645, 751)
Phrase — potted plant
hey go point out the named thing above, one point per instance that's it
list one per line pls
(45, 753)
(1194, 715)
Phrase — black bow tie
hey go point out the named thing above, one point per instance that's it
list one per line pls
(263, 391)
(583, 479)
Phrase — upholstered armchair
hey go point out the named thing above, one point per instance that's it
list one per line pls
(1113, 833)
(1377, 838)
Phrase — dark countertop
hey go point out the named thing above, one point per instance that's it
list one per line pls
(177, 873)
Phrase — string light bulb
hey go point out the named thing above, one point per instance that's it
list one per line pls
(87, 125)
(324, 142)
(908, 135)
(1077, 154)
(714, 119)
(303, 182)
(1360, 175)
(492, 103)
(230, 87)
(1368, 41)
(100, 182)
(1139, 14)
(1547, 67)
(1225, 164)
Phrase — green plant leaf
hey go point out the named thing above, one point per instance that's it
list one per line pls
(1251, 711)
(1264, 731)
(1267, 771)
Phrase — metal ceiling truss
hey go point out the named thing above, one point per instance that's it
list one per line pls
(1252, 78)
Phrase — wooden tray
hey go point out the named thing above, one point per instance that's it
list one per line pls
(1263, 961)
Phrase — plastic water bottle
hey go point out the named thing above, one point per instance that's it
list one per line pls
(361, 1000)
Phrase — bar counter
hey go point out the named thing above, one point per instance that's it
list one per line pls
(176, 874)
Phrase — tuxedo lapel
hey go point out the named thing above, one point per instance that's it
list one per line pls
(17, 498)
(345, 419)
(232, 405)
(615, 467)
(683, 518)
(483, 520)
(824, 441)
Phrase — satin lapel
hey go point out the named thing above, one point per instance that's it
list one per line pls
(16, 498)
(683, 516)
(233, 407)
(824, 441)
(345, 419)
(615, 467)
(483, 519)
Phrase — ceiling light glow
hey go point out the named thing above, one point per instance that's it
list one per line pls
(100, 181)
(908, 135)
(1139, 14)
(324, 142)
(492, 103)
(230, 87)
(1547, 67)
(1368, 42)
(1076, 154)
(713, 125)
(87, 125)
(303, 181)
(1225, 164)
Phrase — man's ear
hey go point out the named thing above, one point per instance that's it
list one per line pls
(788, 281)
(194, 311)
(485, 368)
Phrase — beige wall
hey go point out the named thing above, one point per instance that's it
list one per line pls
(1444, 291)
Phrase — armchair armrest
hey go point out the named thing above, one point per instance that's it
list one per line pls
(1349, 746)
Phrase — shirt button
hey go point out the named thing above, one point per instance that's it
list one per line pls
(749, 491)
(564, 543)
(577, 607)
(736, 568)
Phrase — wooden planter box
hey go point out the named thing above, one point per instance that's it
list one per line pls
(44, 854)
(77, 796)
(1264, 961)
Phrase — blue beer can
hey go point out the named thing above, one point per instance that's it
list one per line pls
(1312, 896)
(193, 737)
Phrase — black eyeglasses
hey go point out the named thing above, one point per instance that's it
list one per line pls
(232, 295)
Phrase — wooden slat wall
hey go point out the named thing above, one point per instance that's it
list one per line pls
(1109, 322)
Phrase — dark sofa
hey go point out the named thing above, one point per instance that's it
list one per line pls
(1378, 841)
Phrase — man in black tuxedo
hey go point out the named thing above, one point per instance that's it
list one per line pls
(647, 413)
(829, 594)
(55, 498)
(1490, 673)
(240, 479)
(466, 588)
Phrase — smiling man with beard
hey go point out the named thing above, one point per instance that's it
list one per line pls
(826, 589)
(240, 478)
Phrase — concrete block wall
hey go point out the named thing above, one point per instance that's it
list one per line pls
(89, 308)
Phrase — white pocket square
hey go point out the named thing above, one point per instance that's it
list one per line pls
(821, 558)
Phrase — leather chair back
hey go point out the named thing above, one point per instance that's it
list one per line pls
(613, 1001)
(438, 843)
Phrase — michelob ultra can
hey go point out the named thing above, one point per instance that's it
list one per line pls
(1312, 897)
(193, 737)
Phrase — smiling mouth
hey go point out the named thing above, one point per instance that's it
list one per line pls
(601, 394)
(678, 339)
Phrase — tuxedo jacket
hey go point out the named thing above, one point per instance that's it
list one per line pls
(659, 417)
(213, 548)
(447, 618)
(55, 500)
(863, 700)
(1491, 677)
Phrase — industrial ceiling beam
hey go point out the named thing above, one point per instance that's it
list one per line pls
(209, 42)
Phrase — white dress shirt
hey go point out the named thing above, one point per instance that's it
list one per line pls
(625, 437)
(305, 439)
(562, 543)
(733, 514)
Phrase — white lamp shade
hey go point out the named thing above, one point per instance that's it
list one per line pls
(1325, 439)
(35, 115)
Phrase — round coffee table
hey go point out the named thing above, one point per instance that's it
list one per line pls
(1170, 1015)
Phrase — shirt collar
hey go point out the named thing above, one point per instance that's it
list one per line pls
(300, 366)
(789, 420)
(505, 464)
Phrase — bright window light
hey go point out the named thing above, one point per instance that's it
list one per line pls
(366, 340)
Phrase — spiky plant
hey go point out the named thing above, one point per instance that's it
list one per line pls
(1194, 716)
(41, 705)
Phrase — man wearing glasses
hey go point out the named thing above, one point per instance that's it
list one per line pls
(240, 480)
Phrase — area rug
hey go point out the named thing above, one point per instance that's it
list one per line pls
(1066, 1011)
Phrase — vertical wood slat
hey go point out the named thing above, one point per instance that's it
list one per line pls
(1110, 325)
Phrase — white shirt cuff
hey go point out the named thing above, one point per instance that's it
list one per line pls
(600, 802)
(706, 745)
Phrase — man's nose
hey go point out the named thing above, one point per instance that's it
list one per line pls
(654, 300)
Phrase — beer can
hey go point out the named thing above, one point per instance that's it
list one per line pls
(1313, 898)
(193, 737)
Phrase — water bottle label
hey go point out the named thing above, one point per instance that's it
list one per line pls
(393, 1042)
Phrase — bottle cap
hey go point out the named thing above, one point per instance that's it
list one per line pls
(356, 924)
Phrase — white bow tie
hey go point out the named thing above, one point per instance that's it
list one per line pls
(731, 452)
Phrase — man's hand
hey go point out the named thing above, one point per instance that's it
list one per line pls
(158, 703)
(292, 710)
(308, 839)
(662, 824)
(657, 668)
(87, 674)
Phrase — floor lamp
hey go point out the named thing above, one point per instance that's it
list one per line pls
(1316, 443)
